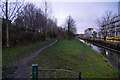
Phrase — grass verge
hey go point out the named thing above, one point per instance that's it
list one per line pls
(76, 56)
(12, 56)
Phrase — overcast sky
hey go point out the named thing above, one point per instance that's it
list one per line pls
(84, 13)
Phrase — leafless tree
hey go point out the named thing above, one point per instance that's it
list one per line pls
(33, 18)
(9, 12)
(70, 26)
(47, 13)
(103, 23)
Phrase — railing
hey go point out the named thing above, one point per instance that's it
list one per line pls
(35, 72)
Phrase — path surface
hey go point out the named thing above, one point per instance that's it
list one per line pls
(21, 72)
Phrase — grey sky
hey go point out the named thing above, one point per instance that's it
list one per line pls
(84, 13)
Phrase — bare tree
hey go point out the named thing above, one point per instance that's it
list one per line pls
(70, 27)
(47, 10)
(103, 23)
(9, 11)
(33, 19)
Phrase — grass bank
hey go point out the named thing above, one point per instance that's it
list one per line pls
(76, 56)
(11, 56)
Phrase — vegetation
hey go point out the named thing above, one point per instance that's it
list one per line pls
(70, 27)
(25, 28)
(106, 24)
(76, 56)
(29, 24)
(11, 56)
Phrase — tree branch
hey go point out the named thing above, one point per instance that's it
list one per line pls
(13, 9)
(16, 12)
(3, 10)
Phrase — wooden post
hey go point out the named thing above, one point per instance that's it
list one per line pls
(35, 71)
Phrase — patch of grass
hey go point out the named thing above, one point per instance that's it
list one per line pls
(76, 56)
(11, 56)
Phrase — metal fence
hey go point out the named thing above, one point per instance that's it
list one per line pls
(35, 72)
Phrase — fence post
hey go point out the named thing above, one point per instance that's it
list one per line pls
(35, 71)
(79, 75)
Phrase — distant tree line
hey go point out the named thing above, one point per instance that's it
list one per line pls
(31, 24)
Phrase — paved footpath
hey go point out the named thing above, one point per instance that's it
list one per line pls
(21, 72)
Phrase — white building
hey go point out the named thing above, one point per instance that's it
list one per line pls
(89, 32)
